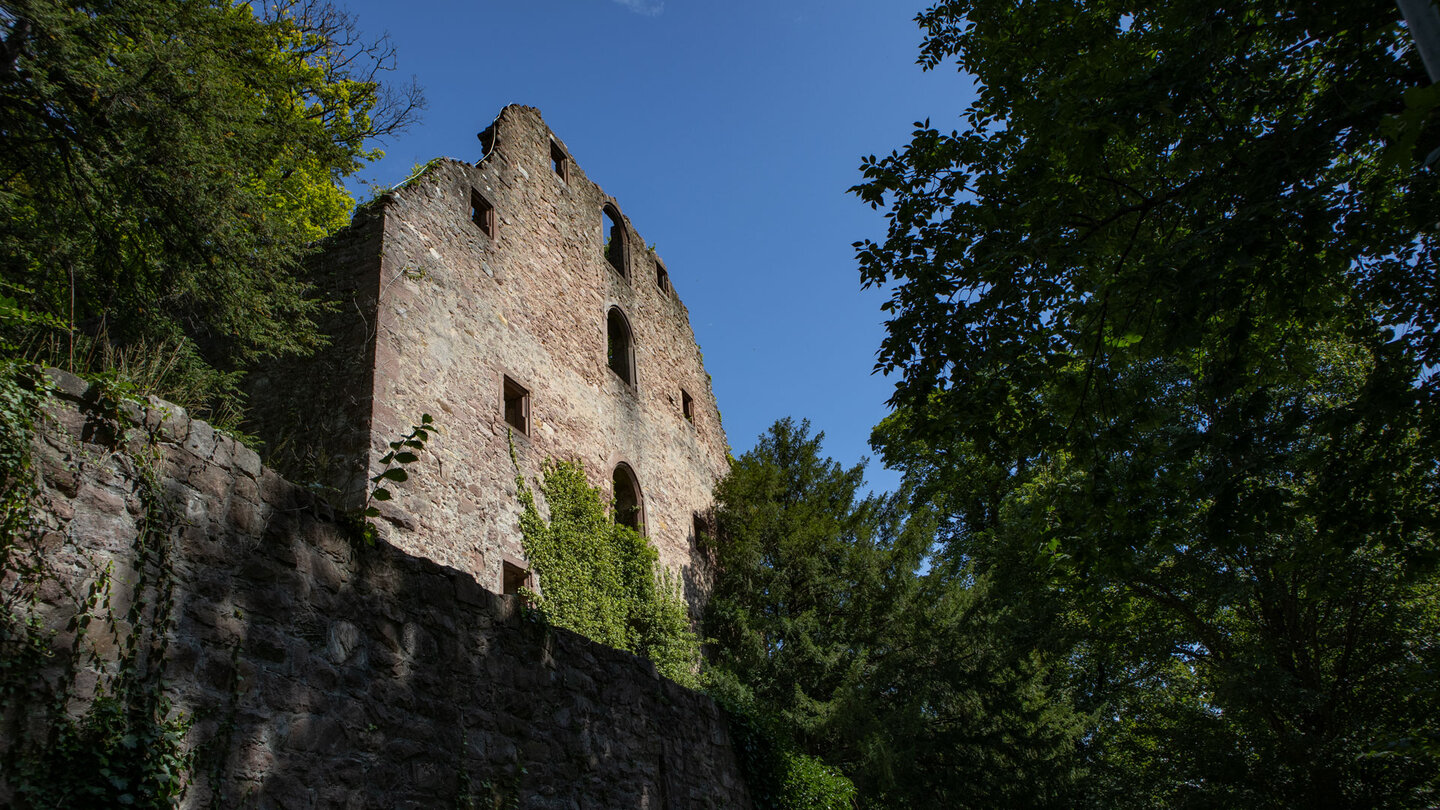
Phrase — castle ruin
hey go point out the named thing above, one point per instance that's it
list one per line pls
(513, 300)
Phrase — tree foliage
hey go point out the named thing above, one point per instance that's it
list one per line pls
(165, 166)
(809, 573)
(828, 635)
(1162, 315)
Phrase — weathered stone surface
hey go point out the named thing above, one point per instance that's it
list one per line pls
(438, 313)
(67, 384)
(326, 673)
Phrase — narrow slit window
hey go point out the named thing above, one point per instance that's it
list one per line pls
(482, 213)
(619, 348)
(613, 232)
(517, 406)
(662, 278)
(687, 405)
(559, 162)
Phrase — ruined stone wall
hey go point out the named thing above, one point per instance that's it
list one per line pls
(322, 674)
(459, 309)
(313, 413)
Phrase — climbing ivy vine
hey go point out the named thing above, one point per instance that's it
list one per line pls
(127, 749)
(599, 578)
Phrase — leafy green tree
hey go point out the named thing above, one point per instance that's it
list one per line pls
(166, 164)
(1162, 314)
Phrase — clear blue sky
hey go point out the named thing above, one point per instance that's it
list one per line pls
(729, 133)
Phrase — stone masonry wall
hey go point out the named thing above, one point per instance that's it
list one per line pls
(322, 674)
(458, 310)
(313, 413)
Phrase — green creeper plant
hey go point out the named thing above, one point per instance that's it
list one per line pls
(402, 454)
(599, 578)
(128, 747)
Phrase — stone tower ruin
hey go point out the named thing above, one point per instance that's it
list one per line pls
(513, 300)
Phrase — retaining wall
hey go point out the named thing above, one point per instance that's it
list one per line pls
(320, 672)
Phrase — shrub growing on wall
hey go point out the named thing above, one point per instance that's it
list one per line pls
(598, 577)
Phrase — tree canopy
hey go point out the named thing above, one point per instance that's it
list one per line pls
(166, 164)
(1162, 317)
(825, 625)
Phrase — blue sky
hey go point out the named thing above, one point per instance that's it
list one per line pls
(729, 133)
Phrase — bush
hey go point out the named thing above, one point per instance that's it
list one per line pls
(778, 775)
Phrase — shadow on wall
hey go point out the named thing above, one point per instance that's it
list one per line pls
(319, 672)
(699, 576)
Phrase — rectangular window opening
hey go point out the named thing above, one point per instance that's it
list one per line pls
(513, 578)
(482, 213)
(559, 161)
(687, 405)
(662, 278)
(517, 406)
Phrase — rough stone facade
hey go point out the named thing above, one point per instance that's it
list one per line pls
(474, 273)
(324, 674)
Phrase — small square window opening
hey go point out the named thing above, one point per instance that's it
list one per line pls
(513, 578)
(517, 406)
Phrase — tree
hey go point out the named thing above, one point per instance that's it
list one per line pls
(825, 625)
(810, 572)
(166, 165)
(1162, 315)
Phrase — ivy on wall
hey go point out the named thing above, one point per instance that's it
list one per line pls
(127, 749)
(599, 578)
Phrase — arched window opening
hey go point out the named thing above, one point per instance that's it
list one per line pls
(613, 232)
(619, 351)
(628, 506)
